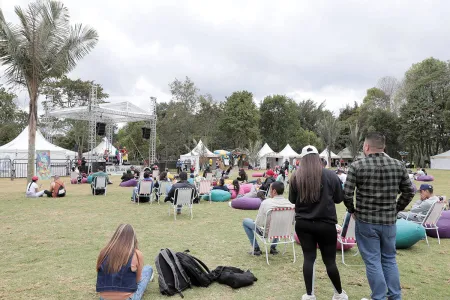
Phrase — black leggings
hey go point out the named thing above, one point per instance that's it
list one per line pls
(311, 233)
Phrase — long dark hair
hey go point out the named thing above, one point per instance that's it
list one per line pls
(163, 176)
(309, 178)
(221, 182)
(236, 186)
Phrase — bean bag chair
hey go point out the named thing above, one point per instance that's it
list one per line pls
(408, 234)
(84, 180)
(246, 188)
(218, 196)
(129, 183)
(89, 179)
(257, 174)
(233, 194)
(444, 226)
(338, 245)
(246, 203)
(73, 181)
(425, 178)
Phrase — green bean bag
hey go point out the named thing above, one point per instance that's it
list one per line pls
(408, 234)
(218, 196)
(89, 179)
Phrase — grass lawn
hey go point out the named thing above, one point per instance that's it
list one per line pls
(49, 248)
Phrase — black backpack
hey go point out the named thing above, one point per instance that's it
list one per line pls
(197, 271)
(172, 278)
(233, 277)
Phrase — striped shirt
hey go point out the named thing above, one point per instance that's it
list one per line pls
(378, 180)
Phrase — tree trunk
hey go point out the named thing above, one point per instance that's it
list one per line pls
(32, 123)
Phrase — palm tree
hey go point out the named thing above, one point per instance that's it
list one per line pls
(42, 46)
(252, 151)
(329, 131)
(354, 140)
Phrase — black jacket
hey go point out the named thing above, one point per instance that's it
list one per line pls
(266, 185)
(178, 185)
(325, 209)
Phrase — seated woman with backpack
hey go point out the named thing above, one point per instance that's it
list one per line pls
(121, 274)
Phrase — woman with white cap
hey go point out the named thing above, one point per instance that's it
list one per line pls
(33, 189)
(314, 190)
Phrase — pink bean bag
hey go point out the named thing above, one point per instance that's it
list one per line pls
(246, 203)
(444, 226)
(257, 174)
(425, 178)
(84, 180)
(73, 181)
(338, 245)
(129, 183)
(246, 188)
(233, 194)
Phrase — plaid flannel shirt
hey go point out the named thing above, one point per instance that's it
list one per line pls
(378, 179)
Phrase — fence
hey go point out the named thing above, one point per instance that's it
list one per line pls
(18, 168)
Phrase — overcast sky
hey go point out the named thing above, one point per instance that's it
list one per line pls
(323, 50)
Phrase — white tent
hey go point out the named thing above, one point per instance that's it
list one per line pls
(324, 154)
(441, 161)
(345, 154)
(267, 157)
(18, 148)
(100, 149)
(288, 154)
(194, 155)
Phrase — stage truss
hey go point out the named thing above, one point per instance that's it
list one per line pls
(110, 114)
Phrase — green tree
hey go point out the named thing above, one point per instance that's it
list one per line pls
(347, 117)
(42, 46)
(130, 136)
(279, 120)
(310, 114)
(389, 124)
(252, 151)
(206, 127)
(329, 129)
(12, 119)
(185, 92)
(354, 141)
(240, 119)
(376, 98)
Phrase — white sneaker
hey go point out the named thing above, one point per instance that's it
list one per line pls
(341, 296)
(308, 297)
(365, 299)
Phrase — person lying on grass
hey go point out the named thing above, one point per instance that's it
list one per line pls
(121, 273)
(276, 200)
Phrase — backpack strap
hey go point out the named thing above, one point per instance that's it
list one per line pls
(198, 261)
(165, 253)
(179, 266)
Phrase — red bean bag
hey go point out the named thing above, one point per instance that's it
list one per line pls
(425, 178)
(129, 183)
(73, 181)
(246, 203)
(84, 180)
(257, 174)
(443, 226)
(338, 245)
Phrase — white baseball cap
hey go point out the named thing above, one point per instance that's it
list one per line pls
(309, 150)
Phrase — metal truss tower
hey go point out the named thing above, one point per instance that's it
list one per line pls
(93, 106)
(152, 148)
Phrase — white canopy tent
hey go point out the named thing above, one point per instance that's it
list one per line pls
(441, 161)
(194, 155)
(267, 157)
(288, 154)
(324, 155)
(18, 148)
(100, 149)
(345, 154)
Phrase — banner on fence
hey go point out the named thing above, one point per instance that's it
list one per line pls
(43, 164)
(119, 170)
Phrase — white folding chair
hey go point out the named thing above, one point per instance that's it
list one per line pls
(145, 190)
(349, 238)
(205, 188)
(209, 176)
(99, 183)
(431, 218)
(182, 197)
(279, 223)
(162, 189)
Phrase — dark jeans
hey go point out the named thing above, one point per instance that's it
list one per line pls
(49, 194)
(311, 234)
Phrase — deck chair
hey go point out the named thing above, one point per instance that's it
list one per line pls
(99, 183)
(183, 197)
(155, 174)
(279, 223)
(145, 191)
(348, 237)
(162, 190)
(431, 218)
(204, 188)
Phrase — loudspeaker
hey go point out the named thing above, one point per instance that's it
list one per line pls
(145, 133)
(100, 129)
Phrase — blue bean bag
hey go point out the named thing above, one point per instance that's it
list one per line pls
(129, 183)
(246, 203)
(218, 196)
(408, 233)
(89, 179)
(425, 178)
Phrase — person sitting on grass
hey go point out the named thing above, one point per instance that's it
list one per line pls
(276, 200)
(269, 180)
(99, 173)
(253, 190)
(57, 188)
(33, 189)
(182, 183)
(121, 273)
(127, 176)
(221, 186)
(134, 195)
(242, 176)
(421, 208)
(136, 173)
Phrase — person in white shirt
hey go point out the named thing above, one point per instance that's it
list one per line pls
(276, 200)
(33, 189)
(342, 176)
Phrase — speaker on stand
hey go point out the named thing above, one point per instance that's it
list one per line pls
(100, 128)
(146, 133)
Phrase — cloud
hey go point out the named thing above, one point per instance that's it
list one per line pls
(319, 50)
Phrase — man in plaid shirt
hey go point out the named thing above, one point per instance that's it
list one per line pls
(378, 180)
